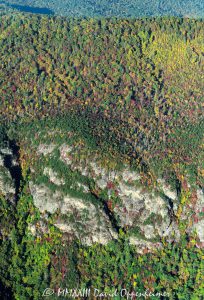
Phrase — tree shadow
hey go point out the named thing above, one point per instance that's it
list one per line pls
(29, 9)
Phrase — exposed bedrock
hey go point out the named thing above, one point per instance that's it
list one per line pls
(120, 201)
(10, 171)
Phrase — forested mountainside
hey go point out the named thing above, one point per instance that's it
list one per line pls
(101, 156)
(143, 78)
(108, 8)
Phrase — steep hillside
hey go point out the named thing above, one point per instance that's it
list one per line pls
(101, 157)
(137, 85)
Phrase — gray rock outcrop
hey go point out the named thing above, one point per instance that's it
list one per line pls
(148, 215)
(7, 185)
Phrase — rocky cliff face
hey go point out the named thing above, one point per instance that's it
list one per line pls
(7, 182)
(92, 201)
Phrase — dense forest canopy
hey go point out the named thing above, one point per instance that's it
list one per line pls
(107, 8)
(137, 83)
(129, 88)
